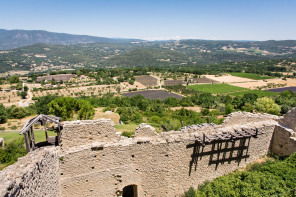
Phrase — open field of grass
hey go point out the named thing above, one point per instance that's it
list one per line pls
(126, 127)
(39, 136)
(216, 88)
(251, 76)
(260, 93)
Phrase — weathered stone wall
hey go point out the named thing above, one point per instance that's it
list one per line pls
(77, 133)
(94, 160)
(35, 174)
(159, 164)
(284, 139)
(289, 119)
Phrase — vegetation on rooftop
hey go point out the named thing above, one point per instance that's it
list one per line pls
(272, 178)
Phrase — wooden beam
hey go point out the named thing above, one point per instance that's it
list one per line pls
(45, 129)
(27, 143)
(33, 121)
(30, 140)
(59, 134)
(27, 126)
(32, 132)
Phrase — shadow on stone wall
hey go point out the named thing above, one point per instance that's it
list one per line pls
(219, 152)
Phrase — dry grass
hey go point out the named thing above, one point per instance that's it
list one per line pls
(100, 114)
(196, 109)
(16, 122)
(228, 79)
(79, 91)
(9, 98)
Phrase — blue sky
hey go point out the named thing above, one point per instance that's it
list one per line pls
(156, 19)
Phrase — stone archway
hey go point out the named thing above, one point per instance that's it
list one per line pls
(130, 191)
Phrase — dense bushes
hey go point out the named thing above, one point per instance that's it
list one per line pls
(3, 114)
(273, 178)
(12, 151)
(65, 107)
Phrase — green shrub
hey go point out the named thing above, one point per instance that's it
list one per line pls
(2, 128)
(190, 192)
(12, 151)
(13, 127)
(272, 178)
(128, 134)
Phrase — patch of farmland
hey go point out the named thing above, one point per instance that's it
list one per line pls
(125, 86)
(153, 94)
(79, 91)
(216, 88)
(251, 76)
(260, 93)
(202, 80)
(9, 98)
(227, 78)
(172, 82)
(279, 90)
(146, 80)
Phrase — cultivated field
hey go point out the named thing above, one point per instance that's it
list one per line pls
(126, 86)
(216, 88)
(154, 94)
(202, 80)
(79, 91)
(172, 82)
(293, 89)
(228, 78)
(146, 80)
(89, 90)
(267, 83)
(251, 76)
(9, 98)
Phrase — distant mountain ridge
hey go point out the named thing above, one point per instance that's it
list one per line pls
(58, 51)
(10, 39)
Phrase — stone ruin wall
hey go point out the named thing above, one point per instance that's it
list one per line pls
(159, 164)
(94, 160)
(35, 174)
(284, 138)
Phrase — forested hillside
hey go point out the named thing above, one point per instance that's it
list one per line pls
(17, 38)
(46, 57)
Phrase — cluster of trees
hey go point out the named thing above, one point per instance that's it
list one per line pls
(12, 151)
(14, 112)
(66, 107)
(273, 178)
(156, 112)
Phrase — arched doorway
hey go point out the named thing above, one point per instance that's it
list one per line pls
(130, 191)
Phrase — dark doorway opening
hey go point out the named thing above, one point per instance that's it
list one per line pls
(130, 191)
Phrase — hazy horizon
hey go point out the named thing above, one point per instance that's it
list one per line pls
(156, 20)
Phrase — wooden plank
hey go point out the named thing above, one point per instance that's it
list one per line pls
(33, 136)
(33, 121)
(27, 143)
(30, 140)
(59, 135)
(45, 129)
(38, 118)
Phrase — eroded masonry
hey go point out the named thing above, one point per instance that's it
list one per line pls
(94, 160)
